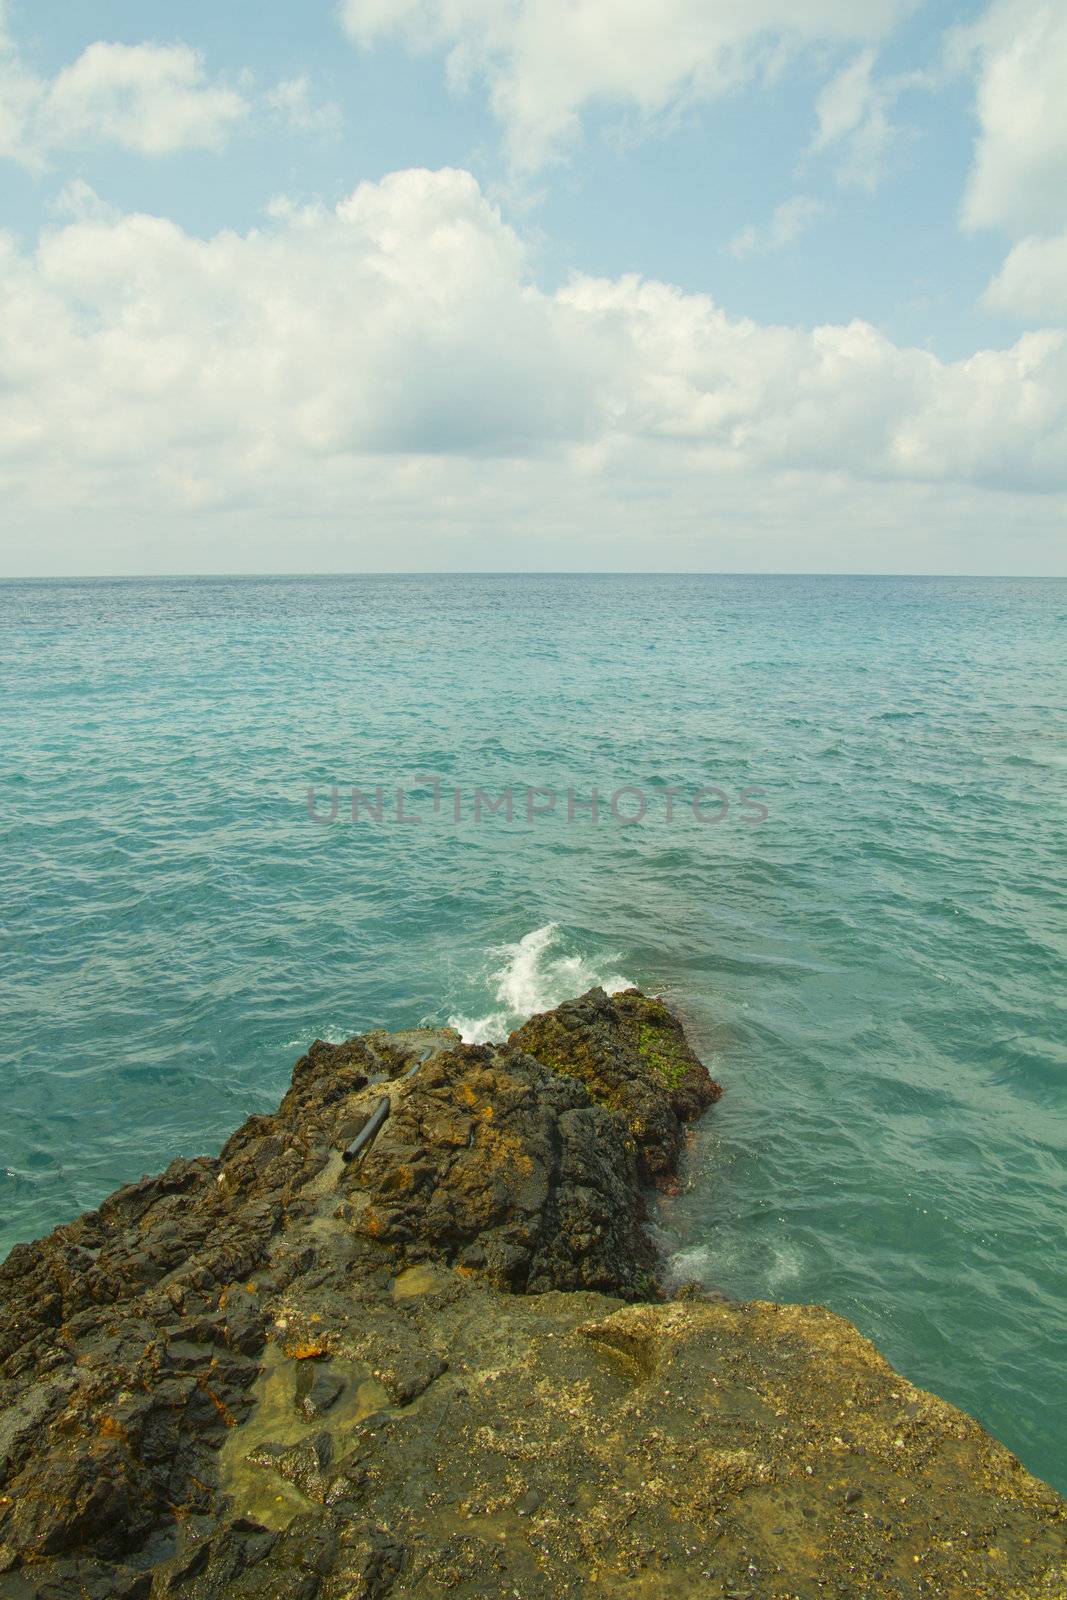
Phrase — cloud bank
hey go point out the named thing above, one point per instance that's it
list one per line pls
(391, 363)
(146, 367)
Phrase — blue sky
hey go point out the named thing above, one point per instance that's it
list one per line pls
(533, 283)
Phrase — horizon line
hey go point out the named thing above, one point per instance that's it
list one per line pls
(488, 572)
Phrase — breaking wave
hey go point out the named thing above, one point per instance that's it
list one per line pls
(533, 975)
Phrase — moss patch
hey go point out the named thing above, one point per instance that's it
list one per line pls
(660, 1049)
(598, 1092)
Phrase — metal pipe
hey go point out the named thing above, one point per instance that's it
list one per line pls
(379, 1114)
(368, 1130)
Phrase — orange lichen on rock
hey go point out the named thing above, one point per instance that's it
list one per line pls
(305, 1351)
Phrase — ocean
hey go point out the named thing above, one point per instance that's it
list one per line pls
(830, 828)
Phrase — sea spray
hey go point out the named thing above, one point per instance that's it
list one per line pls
(530, 979)
(531, 975)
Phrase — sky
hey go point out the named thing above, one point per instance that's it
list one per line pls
(494, 285)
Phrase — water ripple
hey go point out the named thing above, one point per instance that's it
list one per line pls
(874, 973)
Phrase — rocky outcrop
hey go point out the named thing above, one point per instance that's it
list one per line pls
(448, 1366)
(634, 1059)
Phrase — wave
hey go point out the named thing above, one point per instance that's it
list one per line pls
(332, 1033)
(532, 977)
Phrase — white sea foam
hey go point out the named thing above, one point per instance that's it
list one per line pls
(332, 1033)
(769, 1268)
(531, 978)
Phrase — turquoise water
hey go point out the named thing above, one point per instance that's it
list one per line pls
(875, 972)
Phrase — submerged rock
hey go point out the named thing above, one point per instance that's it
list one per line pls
(449, 1366)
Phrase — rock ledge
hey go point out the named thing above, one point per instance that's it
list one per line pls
(448, 1366)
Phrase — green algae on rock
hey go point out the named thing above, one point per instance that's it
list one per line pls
(633, 1057)
(450, 1367)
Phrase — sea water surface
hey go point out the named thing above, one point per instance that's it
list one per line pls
(875, 972)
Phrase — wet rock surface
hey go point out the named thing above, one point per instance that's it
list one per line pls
(633, 1057)
(448, 1367)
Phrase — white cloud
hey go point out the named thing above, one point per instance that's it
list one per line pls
(1033, 280)
(292, 100)
(838, 398)
(391, 357)
(146, 97)
(150, 98)
(1018, 181)
(790, 221)
(853, 112)
(78, 201)
(398, 321)
(1019, 52)
(18, 91)
(546, 61)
